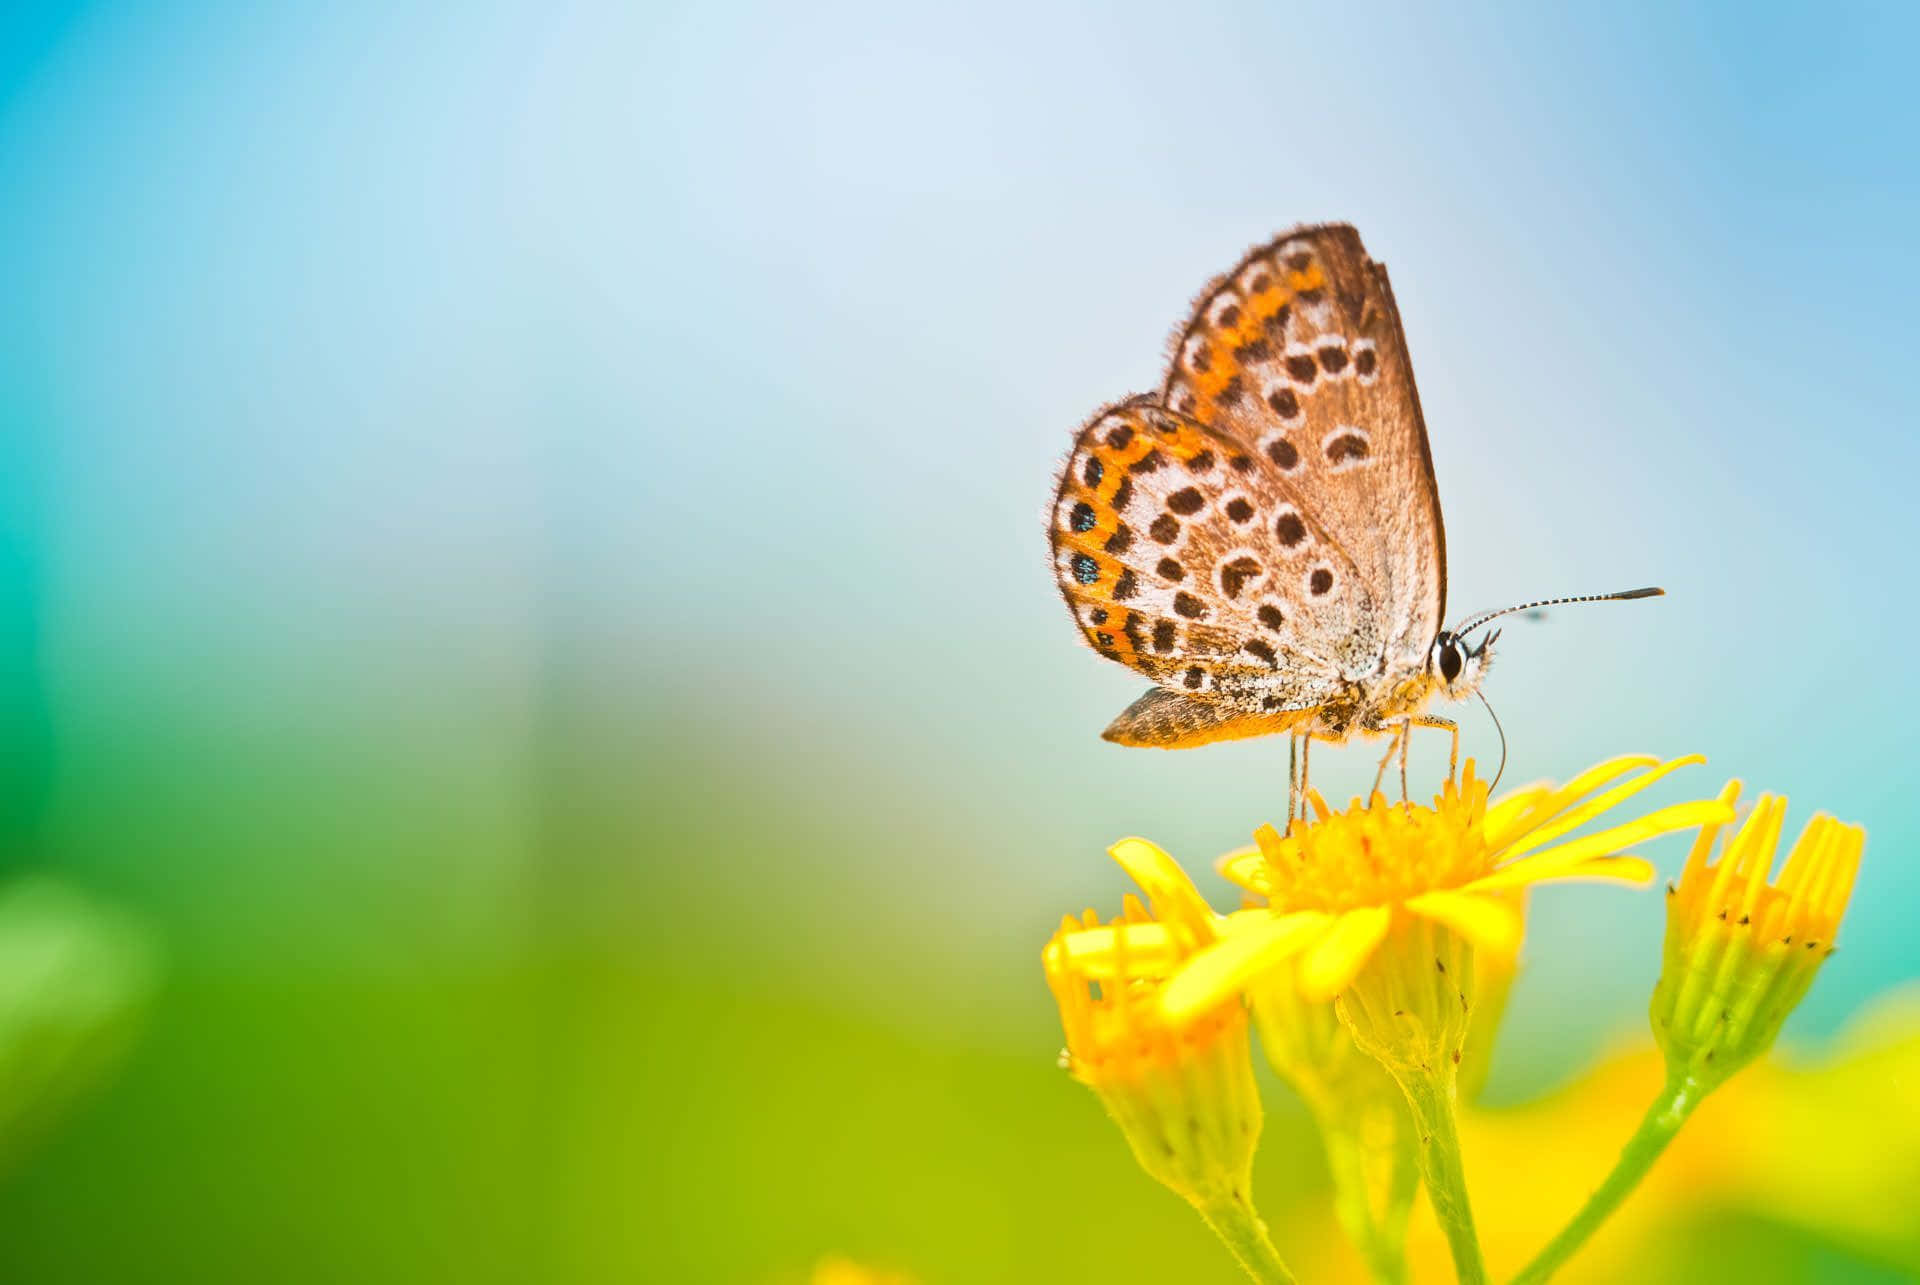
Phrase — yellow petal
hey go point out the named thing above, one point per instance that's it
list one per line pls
(1172, 894)
(1594, 807)
(1555, 862)
(1632, 870)
(1330, 965)
(1818, 876)
(1703, 842)
(1133, 950)
(1256, 943)
(1245, 867)
(1757, 862)
(1490, 924)
(1513, 826)
(1505, 811)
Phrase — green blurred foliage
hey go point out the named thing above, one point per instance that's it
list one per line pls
(74, 981)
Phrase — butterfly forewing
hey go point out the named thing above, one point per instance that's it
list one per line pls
(1299, 354)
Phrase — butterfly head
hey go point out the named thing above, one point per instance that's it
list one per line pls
(1459, 665)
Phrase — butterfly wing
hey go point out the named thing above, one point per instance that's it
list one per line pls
(1178, 550)
(1298, 353)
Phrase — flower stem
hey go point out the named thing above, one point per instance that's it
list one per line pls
(1239, 1227)
(1663, 1119)
(1431, 1094)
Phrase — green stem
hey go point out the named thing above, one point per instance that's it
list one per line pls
(1664, 1118)
(1431, 1095)
(1239, 1227)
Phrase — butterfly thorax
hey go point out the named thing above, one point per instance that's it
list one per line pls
(1370, 704)
(1452, 669)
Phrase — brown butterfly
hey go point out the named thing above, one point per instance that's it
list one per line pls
(1263, 539)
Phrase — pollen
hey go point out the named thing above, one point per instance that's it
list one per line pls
(1380, 853)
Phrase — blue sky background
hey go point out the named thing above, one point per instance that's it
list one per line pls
(488, 483)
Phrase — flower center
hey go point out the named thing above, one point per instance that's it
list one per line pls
(1377, 854)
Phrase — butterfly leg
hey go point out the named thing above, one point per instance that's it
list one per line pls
(1399, 732)
(1406, 741)
(1293, 775)
(1453, 753)
(1306, 748)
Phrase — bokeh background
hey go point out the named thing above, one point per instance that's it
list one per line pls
(524, 571)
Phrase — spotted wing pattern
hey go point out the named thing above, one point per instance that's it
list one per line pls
(1266, 532)
(1298, 352)
(1183, 554)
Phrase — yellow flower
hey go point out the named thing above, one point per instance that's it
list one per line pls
(1338, 885)
(837, 1270)
(1183, 1095)
(1740, 951)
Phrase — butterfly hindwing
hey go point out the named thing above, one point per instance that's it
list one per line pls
(1185, 556)
(1298, 354)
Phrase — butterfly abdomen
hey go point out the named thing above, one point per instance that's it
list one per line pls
(1166, 721)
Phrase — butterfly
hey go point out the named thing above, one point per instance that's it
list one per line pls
(1263, 538)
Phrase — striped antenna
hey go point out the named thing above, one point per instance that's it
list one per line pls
(1623, 596)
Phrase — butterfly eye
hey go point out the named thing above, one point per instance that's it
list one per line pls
(1450, 660)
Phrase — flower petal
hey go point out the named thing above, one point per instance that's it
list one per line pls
(1505, 815)
(1579, 816)
(1555, 863)
(1512, 824)
(1490, 924)
(1330, 965)
(1703, 842)
(1256, 942)
(1172, 894)
(1622, 869)
(1122, 950)
(1245, 867)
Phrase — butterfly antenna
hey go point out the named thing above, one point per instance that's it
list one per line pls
(1623, 596)
(1503, 741)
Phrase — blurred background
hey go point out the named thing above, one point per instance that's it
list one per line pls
(528, 624)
